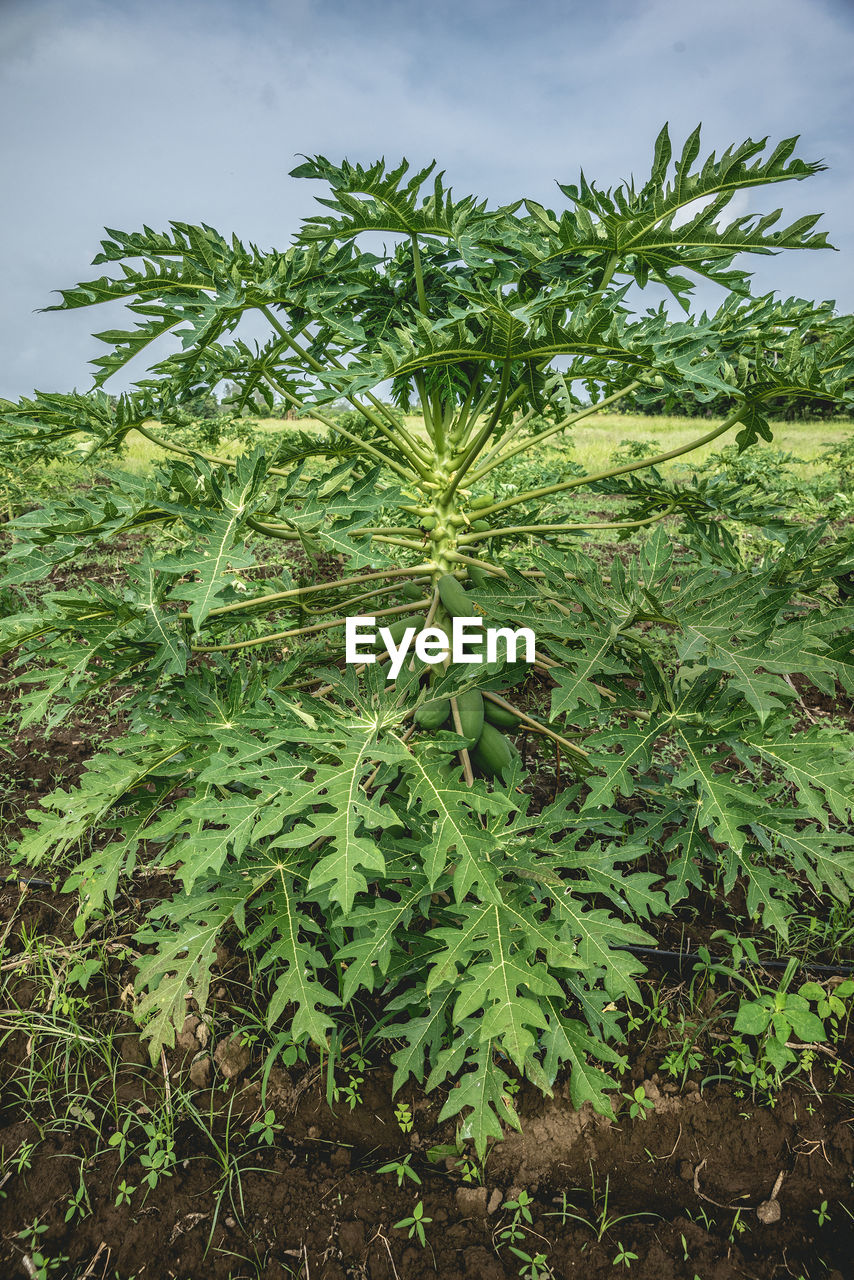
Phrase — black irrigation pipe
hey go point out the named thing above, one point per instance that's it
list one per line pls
(656, 953)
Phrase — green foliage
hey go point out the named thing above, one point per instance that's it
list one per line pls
(363, 860)
(417, 1222)
(774, 1017)
(31, 472)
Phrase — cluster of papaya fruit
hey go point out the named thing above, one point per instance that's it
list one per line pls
(480, 719)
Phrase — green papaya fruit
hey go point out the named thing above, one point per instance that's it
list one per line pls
(433, 714)
(412, 591)
(493, 753)
(397, 629)
(482, 500)
(480, 526)
(498, 716)
(470, 707)
(454, 598)
(478, 576)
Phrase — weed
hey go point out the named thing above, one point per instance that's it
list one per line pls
(402, 1169)
(42, 1265)
(624, 1256)
(416, 1223)
(265, 1128)
(79, 1204)
(639, 1103)
(125, 1193)
(403, 1116)
(601, 1221)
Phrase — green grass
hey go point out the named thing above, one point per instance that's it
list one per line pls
(596, 438)
(593, 440)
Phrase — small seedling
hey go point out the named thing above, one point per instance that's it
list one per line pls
(521, 1213)
(639, 1103)
(265, 1127)
(738, 1227)
(403, 1116)
(402, 1169)
(533, 1268)
(79, 1204)
(125, 1193)
(159, 1154)
(416, 1223)
(41, 1266)
(120, 1139)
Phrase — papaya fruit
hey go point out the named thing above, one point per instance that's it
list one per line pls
(470, 707)
(482, 500)
(397, 629)
(493, 752)
(498, 716)
(433, 714)
(412, 591)
(454, 598)
(479, 526)
(478, 576)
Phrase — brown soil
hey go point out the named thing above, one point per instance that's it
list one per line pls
(695, 1168)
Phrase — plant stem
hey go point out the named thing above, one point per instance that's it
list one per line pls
(483, 435)
(179, 448)
(427, 411)
(275, 596)
(400, 437)
(272, 531)
(464, 755)
(362, 444)
(610, 268)
(318, 368)
(535, 724)
(409, 607)
(495, 461)
(399, 542)
(419, 274)
(511, 530)
(479, 564)
(465, 408)
(373, 593)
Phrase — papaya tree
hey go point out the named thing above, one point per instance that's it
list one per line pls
(375, 844)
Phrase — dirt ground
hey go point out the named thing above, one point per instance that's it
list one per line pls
(694, 1169)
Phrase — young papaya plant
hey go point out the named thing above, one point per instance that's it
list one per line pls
(378, 840)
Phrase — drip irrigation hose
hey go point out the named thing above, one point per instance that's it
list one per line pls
(679, 957)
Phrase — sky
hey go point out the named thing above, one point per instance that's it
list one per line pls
(120, 113)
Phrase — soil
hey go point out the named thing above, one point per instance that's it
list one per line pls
(684, 1181)
(684, 1186)
(700, 1161)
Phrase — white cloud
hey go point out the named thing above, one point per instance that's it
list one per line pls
(132, 113)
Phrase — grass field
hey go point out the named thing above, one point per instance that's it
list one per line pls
(595, 439)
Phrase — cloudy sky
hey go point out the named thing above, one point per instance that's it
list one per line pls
(123, 112)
